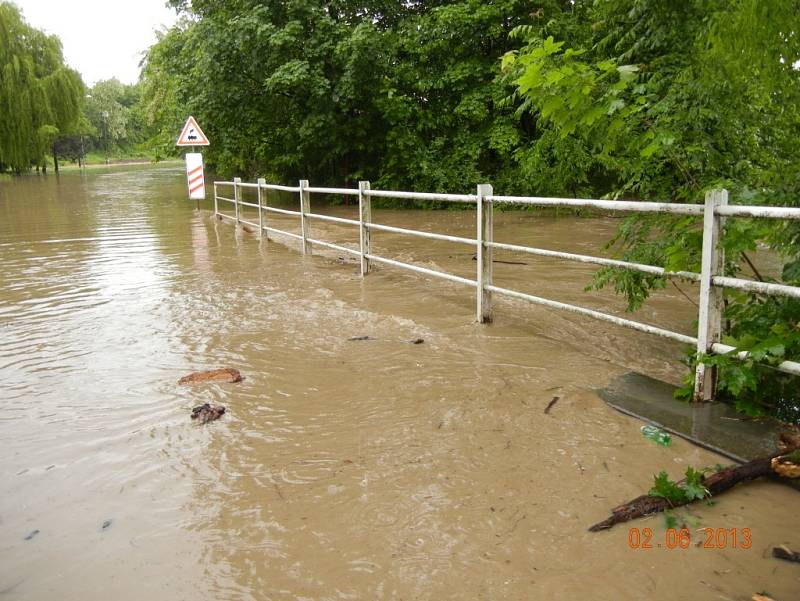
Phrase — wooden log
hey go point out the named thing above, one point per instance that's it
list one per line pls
(786, 553)
(475, 258)
(715, 483)
(226, 374)
(550, 405)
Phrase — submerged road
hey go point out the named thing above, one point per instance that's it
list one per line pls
(343, 469)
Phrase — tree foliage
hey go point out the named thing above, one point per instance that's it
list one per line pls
(39, 95)
(115, 113)
(667, 100)
(403, 93)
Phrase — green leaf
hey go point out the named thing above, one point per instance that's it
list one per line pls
(508, 60)
(649, 150)
(554, 76)
(627, 73)
(570, 52)
(693, 486)
(592, 115)
(666, 488)
(551, 47)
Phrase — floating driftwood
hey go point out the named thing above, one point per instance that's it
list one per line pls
(226, 374)
(550, 404)
(475, 258)
(786, 553)
(777, 465)
(357, 338)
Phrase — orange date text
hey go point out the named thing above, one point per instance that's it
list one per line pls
(673, 538)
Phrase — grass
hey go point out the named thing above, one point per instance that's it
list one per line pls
(98, 159)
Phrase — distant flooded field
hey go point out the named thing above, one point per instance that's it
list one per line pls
(363, 469)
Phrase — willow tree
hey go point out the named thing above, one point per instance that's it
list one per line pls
(39, 95)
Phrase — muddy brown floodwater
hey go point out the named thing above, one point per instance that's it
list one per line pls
(372, 469)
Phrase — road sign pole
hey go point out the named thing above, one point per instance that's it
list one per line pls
(191, 137)
(197, 206)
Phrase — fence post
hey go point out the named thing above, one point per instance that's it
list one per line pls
(236, 197)
(261, 182)
(709, 322)
(364, 219)
(305, 207)
(485, 252)
(216, 202)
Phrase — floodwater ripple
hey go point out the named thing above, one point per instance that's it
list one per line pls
(343, 469)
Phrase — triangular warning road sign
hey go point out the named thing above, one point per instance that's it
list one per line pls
(192, 135)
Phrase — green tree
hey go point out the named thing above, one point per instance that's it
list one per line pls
(666, 100)
(39, 95)
(110, 108)
(404, 93)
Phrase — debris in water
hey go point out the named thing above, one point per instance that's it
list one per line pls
(475, 258)
(714, 484)
(106, 525)
(550, 404)
(354, 338)
(9, 589)
(206, 413)
(657, 435)
(789, 441)
(416, 341)
(786, 553)
(787, 466)
(32, 534)
(226, 374)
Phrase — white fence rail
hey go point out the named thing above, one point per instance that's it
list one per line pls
(711, 278)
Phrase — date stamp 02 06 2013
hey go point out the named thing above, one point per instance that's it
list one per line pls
(714, 538)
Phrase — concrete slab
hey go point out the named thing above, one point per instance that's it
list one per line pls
(715, 426)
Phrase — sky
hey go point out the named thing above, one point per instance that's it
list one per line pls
(101, 38)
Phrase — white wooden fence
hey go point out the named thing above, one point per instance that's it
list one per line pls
(710, 278)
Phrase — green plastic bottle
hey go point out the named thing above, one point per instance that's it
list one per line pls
(657, 435)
